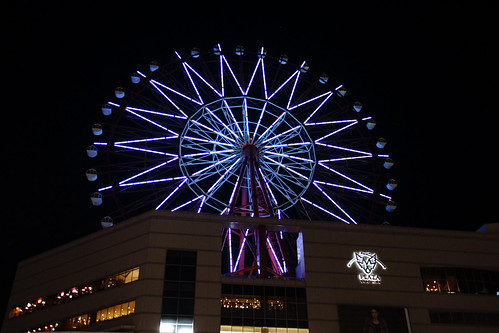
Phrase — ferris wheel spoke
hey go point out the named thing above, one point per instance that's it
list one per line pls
(325, 210)
(292, 157)
(145, 150)
(259, 120)
(213, 165)
(146, 182)
(151, 122)
(213, 188)
(290, 133)
(334, 202)
(188, 202)
(187, 66)
(233, 118)
(269, 129)
(336, 131)
(147, 171)
(295, 73)
(222, 57)
(158, 85)
(286, 167)
(346, 177)
(213, 130)
(157, 113)
(171, 193)
(221, 122)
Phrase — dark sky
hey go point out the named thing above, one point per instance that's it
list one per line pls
(427, 71)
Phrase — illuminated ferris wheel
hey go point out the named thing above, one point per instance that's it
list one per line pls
(238, 133)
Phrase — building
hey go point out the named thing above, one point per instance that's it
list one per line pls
(162, 272)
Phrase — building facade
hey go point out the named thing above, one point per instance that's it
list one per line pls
(162, 272)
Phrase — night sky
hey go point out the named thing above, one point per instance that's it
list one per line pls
(427, 73)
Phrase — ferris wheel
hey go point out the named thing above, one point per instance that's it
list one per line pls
(232, 132)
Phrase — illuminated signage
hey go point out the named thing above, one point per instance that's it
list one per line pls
(366, 262)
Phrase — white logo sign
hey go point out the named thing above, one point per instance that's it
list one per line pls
(366, 263)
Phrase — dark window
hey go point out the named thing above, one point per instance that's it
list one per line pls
(179, 289)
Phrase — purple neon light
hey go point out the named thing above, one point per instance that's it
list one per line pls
(171, 193)
(365, 153)
(146, 140)
(207, 141)
(222, 123)
(192, 83)
(145, 171)
(286, 167)
(222, 76)
(283, 84)
(275, 255)
(344, 187)
(259, 120)
(334, 202)
(240, 250)
(201, 204)
(337, 131)
(233, 118)
(281, 134)
(271, 153)
(230, 250)
(253, 76)
(325, 210)
(167, 98)
(188, 202)
(345, 176)
(246, 121)
(146, 150)
(213, 165)
(202, 79)
(151, 181)
(154, 82)
(293, 90)
(155, 112)
(209, 153)
(152, 122)
(327, 94)
(213, 130)
(272, 126)
(330, 122)
(222, 176)
(233, 75)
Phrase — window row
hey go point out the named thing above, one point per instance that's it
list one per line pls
(460, 280)
(130, 275)
(86, 319)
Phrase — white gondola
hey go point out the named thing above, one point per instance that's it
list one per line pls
(357, 106)
(106, 109)
(91, 175)
(341, 90)
(217, 49)
(153, 65)
(97, 129)
(239, 50)
(304, 67)
(391, 206)
(135, 78)
(106, 222)
(283, 59)
(392, 184)
(92, 151)
(381, 143)
(195, 52)
(323, 78)
(388, 163)
(96, 199)
(371, 123)
(119, 92)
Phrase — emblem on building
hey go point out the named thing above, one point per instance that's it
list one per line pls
(366, 262)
